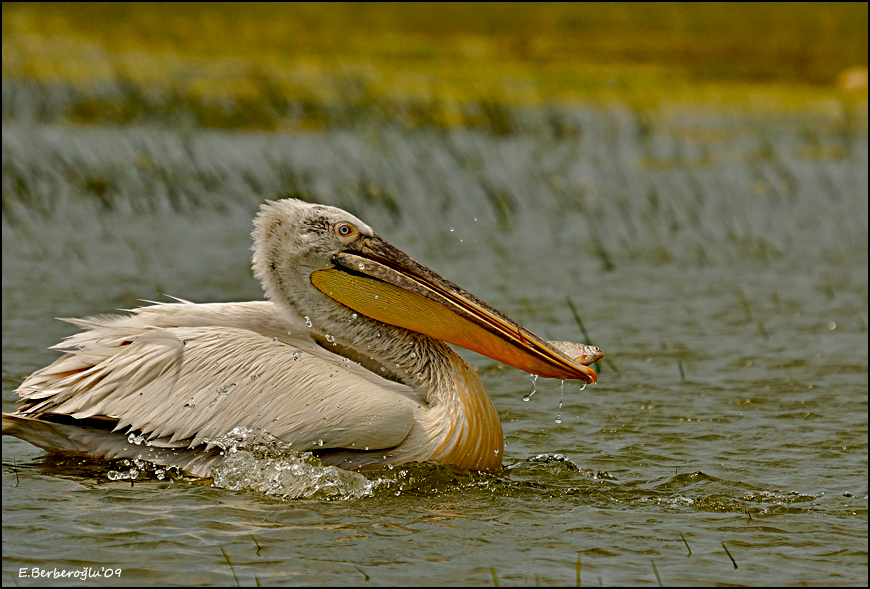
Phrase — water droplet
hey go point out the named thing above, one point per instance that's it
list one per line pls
(319, 442)
(559, 411)
(330, 338)
(297, 354)
(376, 296)
(583, 387)
(255, 377)
(189, 406)
(361, 266)
(289, 333)
(451, 229)
(354, 316)
(475, 219)
(274, 340)
(496, 450)
(134, 439)
(308, 321)
(528, 396)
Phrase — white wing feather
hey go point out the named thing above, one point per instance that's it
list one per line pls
(186, 372)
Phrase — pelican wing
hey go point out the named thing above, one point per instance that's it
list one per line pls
(69, 438)
(194, 383)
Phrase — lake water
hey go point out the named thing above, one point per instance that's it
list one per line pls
(719, 259)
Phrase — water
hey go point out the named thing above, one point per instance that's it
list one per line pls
(719, 260)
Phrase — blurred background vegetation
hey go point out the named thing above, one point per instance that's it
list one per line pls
(443, 65)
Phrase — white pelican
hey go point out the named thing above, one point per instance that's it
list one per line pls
(347, 359)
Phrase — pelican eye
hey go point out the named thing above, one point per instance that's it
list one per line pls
(345, 230)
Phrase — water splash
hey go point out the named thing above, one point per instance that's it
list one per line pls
(131, 469)
(261, 462)
(561, 399)
(534, 389)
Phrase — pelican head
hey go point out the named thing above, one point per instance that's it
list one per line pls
(294, 239)
(324, 264)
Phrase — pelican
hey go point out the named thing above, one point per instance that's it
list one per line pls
(348, 359)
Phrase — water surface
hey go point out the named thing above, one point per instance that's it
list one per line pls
(719, 259)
